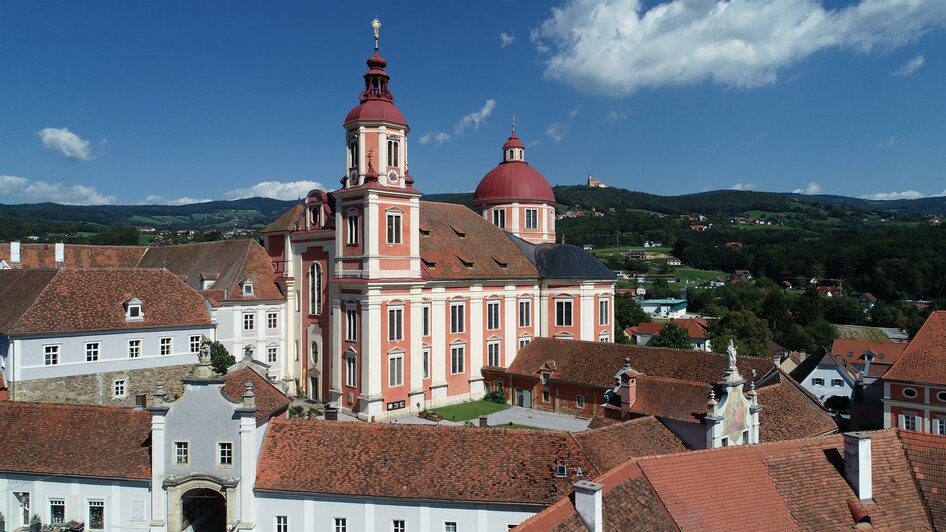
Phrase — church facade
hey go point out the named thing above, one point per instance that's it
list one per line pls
(396, 304)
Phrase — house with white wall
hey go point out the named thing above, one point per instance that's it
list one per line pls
(825, 376)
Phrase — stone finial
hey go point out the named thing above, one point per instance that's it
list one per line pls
(627, 363)
(204, 370)
(159, 394)
(248, 352)
(249, 398)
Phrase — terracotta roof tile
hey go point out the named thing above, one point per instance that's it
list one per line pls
(789, 411)
(80, 440)
(890, 351)
(35, 256)
(87, 300)
(610, 446)
(924, 360)
(289, 221)
(269, 400)
(671, 398)
(927, 456)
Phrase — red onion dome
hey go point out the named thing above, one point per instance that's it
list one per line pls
(513, 142)
(513, 180)
(376, 100)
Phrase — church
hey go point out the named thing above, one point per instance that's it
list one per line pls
(397, 304)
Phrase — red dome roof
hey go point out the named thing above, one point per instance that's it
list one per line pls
(376, 111)
(513, 142)
(513, 181)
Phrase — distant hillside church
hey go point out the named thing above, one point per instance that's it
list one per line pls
(397, 304)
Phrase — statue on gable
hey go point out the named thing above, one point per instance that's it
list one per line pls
(731, 351)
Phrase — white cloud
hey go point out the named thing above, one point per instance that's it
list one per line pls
(907, 194)
(812, 188)
(155, 199)
(559, 130)
(619, 46)
(476, 118)
(18, 188)
(67, 143)
(281, 190)
(910, 66)
(505, 39)
(615, 116)
(440, 137)
(888, 142)
(744, 186)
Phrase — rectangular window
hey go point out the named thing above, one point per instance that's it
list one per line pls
(492, 315)
(546, 396)
(134, 348)
(282, 523)
(51, 355)
(426, 355)
(524, 341)
(165, 346)
(939, 426)
(580, 401)
(393, 152)
(351, 325)
(57, 511)
(563, 313)
(603, 338)
(398, 525)
(350, 374)
(532, 218)
(457, 317)
(395, 370)
(499, 218)
(817, 382)
(352, 229)
(119, 388)
(194, 342)
(604, 311)
(272, 320)
(23, 512)
(225, 453)
(457, 359)
(525, 312)
(394, 228)
(341, 524)
(92, 351)
(425, 314)
(249, 322)
(492, 354)
(96, 515)
(450, 526)
(837, 383)
(181, 453)
(395, 324)
(909, 421)
(271, 354)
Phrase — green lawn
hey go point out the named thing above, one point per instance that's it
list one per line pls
(471, 410)
(697, 276)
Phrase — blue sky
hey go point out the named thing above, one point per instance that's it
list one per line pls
(130, 102)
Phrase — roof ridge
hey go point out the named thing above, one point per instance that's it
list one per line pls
(75, 406)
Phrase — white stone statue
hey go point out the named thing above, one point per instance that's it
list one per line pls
(731, 351)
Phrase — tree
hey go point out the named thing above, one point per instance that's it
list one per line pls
(220, 358)
(661, 289)
(627, 313)
(619, 336)
(749, 333)
(673, 336)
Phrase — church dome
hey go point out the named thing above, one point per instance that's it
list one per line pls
(513, 180)
(376, 102)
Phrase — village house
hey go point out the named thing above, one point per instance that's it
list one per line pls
(643, 334)
(915, 387)
(665, 308)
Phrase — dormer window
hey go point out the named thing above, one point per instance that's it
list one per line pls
(247, 288)
(133, 310)
(561, 471)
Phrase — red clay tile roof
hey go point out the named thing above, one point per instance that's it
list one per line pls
(289, 221)
(92, 300)
(891, 351)
(695, 327)
(420, 461)
(77, 440)
(610, 446)
(927, 456)
(483, 244)
(652, 329)
(35, 256)
(18, 290)
(789, 411)
(671, 398)
(924, 360)
(269, 400)
(231, 261)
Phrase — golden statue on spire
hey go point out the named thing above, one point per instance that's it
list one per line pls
(376, 25)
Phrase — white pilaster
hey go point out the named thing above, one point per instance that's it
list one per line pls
(438, 346)
(248, 456)
(415, 356)
(158, 464)
(587, 317)
(477, 329)
(515, 219)
(510, 341)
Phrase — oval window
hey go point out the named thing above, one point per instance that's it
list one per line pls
(941, 396)
(909, 393)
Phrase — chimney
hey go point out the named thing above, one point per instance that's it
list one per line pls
(628, 393)
(802, 355)
(14, 252)
(483, 421)
(857, 464)
(249, 398)
(588, 504)
(331, 412)
(60, 253)
(141, 401)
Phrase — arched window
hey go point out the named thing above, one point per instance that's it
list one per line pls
(353, 152)
(393, 147)
(315, 288)
(315, 216)
(314, 354)
(510, 155)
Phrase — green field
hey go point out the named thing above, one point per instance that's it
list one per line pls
(471, 410)
(859, 332)
(624, 249)
(697, 276)
(144, 240)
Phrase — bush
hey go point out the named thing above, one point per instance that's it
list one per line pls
(220, 358)
(496, 397)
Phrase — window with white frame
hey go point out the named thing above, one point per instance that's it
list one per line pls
(272, 320)
(817, 381)
(580, 401)
(563, 313)
(50, 355)
(282, 523)
(351, 375)
(249, 321)
(909, 421)
(524, 341)
(247, 288)
(457, 316)
(395, 323)
(398, 525)
(837, 383)
(525, 312)
(225, 453)
(119, 388)
(57, 510)
(909, 393)
(450, 526)
(23, 510)
(425, 315)
(353, 152)
(272, 354)
(394, 226)
(493, 357)
(133, 310)
(939, 426)
(315, 288)
(532, 218)
(341, 524)
(181, 453)
(604, 311)
(194, 342)
(352, 229)
(351, 324)
(604, 338)
(492, 314)
(393, 149)
(165, 346)
(134, 348)
(395, 369)
(426, 362)
(499, 218)
(457, 359)
(92, 350)
(96, 519)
